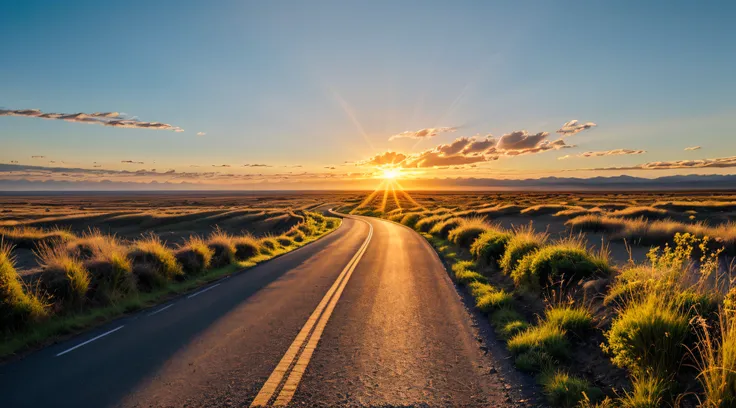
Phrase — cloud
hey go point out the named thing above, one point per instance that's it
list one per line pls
(330, 167)
(112, 119)
(470, 150)
(383, 159)
(478, 146)
(615, 152)
(201, 133)
(38, 157)
(220, 165)
(131, 162)
(257, 165)
(572, 127)
(692, 148)
(434, 158)
(14, 161)
(520, 140)
(422, 133)
(722, 162)
(455, 147)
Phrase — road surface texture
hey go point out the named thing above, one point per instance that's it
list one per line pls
(366, 316)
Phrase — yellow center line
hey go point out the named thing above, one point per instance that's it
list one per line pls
(307, 336)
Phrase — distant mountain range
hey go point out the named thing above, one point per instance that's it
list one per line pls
(685, 182)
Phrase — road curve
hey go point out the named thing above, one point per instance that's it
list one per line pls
(396, 334)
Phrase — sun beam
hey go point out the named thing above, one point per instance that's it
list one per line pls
(390, 174)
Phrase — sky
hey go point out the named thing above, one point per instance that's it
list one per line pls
(322, 94)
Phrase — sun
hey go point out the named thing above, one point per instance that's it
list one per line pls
(390, 174)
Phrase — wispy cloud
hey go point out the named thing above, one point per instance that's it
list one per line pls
(201, 133)
(422, 133)
(572, 127)
(38, 157)
(692, 148)
(220, 165)
(722, 162)
(615, 152)
(257, 165)
(131, 162)
(112, 119)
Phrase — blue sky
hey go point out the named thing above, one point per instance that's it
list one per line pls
(318, 84)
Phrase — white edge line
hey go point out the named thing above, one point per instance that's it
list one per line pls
(202, 291)
(160, 310)
(89, 341)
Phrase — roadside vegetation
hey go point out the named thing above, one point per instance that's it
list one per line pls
(88, 279)
(657, 332)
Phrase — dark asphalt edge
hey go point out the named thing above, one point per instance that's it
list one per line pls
(54, 340)
(489, 343)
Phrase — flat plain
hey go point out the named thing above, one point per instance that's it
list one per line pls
(620, 298)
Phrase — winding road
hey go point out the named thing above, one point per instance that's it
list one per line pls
(366, 316)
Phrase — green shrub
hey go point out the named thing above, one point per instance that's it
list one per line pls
(563, 390)
(153, 263)
(478, 289)
(223, 248)
(505, 315)
(493, 300)
(464, 274)
(648, 391)
(533, 361)
(468, 231)
(524, 242)
(696, 303)
(268, 245)
(551, 264)
(410, 219)
(508, 322)
(649, 335)
(442, 229)
(297, 236)
(490, 246)
(396, 217)
(545, 338)
(576, 319)
(426, 223)
(18, 308)
(246, 247)
(194, 256)
(511, 328)
(284, 241)
(63, 276)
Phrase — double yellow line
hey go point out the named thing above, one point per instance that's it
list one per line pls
(288, 373)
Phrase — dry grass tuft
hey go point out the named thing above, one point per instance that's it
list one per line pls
(34, 238)
(223, 248)
(64, 276)
(18, 308)
(195, 256)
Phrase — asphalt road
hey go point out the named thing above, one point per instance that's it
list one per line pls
(366, 316)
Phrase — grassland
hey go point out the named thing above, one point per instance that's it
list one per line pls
(72, 278)
(608, 299)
